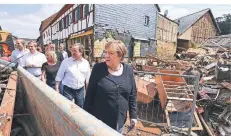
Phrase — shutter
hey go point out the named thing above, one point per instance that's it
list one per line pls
(86, 10)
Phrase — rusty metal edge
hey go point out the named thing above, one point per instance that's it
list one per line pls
(8, 102)
(79, 120)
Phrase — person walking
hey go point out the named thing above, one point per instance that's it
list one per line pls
(50, 69)
(61, 49)
(51, 47)
(74, 73)
(19, 52)
(112, 90)
(33, 60)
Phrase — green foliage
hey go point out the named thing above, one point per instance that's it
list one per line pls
(224, 23)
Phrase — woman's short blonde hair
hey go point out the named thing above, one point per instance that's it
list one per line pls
(118, 46)
(53, 55)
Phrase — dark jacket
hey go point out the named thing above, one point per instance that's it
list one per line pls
(109, 101)
(59, 56)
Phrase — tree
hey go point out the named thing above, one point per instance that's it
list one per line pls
(224, 24)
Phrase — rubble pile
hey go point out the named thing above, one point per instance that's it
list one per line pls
(213, 66)
(214, 94)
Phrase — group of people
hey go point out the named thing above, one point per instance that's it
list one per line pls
(110, 86)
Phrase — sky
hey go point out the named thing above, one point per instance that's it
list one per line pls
(23, 20)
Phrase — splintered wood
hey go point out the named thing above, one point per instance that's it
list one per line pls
(7, 105)
(145, 90)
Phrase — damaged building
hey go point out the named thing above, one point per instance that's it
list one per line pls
(196, 28)
(166, 36)
(95, 24)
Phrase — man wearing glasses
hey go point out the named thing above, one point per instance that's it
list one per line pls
(21, 50)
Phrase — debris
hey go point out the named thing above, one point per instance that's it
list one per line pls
(210, 65)
(208, 78)
(226, 115)
(223, 72)
(227, 85)
(210, 132)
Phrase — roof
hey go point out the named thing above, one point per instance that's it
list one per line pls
(187, 21)
(62, 11)
(158, 7)
(45, 23)
(223, 40)
(169, 19)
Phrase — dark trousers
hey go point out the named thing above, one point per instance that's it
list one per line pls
(76, 94)
(51, 83)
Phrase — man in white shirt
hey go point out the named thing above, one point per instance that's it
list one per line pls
(61, 49)
(33, 60)
(18, 53)
(74, 72)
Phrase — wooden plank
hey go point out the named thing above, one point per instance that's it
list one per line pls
(167, 118)
(176, 93)
(226, 85)
(177, 98)
(161, 91)
(173, 83)
(206, 126)
(7, 105)
(210, 66)
(145, 90)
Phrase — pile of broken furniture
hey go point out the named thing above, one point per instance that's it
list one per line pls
(213, 105)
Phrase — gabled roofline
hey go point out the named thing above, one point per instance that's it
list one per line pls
(210, 12)
(193, 13)
(169, 19)
(55, 14)
(158, 7)
(59, 13)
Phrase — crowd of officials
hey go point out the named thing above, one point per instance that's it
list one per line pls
(110, 85)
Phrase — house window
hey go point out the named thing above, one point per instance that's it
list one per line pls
(63, 23)
(73, 15)
(146, 21)
(81, 12)
(60, 25)
(67, 20)
(86, 9)
(78, 13)
(70, 18)
(44, 35)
